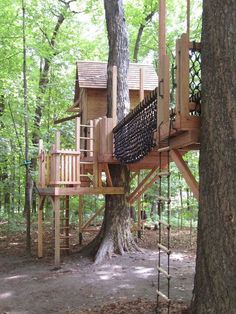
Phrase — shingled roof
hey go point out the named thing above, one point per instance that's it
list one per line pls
(92, 74)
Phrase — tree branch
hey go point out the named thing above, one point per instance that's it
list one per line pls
(147, 19)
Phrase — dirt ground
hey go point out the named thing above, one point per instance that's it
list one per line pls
(124, 284)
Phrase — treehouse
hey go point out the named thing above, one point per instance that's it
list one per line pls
(161, 127)
(91, 87)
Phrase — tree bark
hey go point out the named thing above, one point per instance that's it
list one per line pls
(215, 284)
(115, 235)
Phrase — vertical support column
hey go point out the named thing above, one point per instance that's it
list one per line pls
(184, 79)
(141, 84)
(188, 18)
(162, 28)
(57, 157)
(81, 208)
(95, 153)
(164, 64)
(114, 95)
(77, 147)
(56, 208)
(91, 136)
(40, 226)
(67, 222)
(178, 76)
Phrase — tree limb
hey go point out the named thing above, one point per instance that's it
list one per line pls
(147, 19)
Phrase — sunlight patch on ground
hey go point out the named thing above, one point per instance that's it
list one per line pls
(110, 272)
(5, 295)
(15, 277)
(178, 256)
(143, 272)
(126, 286)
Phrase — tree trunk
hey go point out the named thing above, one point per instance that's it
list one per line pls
(215, 284)
(115, 235)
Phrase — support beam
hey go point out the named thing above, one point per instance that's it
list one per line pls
(144, 188)
(188, 18)
(98, 212)
(67, 222)
(108, 175)
(56, 208)
(187, 174)
(40, 226)
(141, 184)
(141, 84)
(162, 28)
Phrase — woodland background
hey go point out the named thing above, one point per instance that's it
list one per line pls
(57, 34)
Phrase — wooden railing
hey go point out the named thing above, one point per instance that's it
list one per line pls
(93, 144)
(64, 167)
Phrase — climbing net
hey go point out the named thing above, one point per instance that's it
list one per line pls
(195, 81)
(134, 135)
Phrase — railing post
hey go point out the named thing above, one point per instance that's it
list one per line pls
(57, 157)
(77, 138)
(164, 64)
(184, 75)
(141, 84)
(95, 152)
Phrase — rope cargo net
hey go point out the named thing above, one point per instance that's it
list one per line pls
(134, 135)
(195, 80)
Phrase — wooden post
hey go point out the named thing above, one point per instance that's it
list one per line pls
(40, 226)
(56, 207)
(77, 133)
(184, 68)
(114, 94)
(141, 84)
(188, 18)
(164, 64)
(67, 222)
(178, 76)
(185, 171)
(81, 207)
(57, 157)
(95, 152)
(91, 136)
(162, 28)
(77, 147)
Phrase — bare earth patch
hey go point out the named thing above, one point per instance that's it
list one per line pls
(121, 285)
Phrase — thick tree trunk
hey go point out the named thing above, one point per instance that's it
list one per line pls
(215, 280)
(115, 235)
